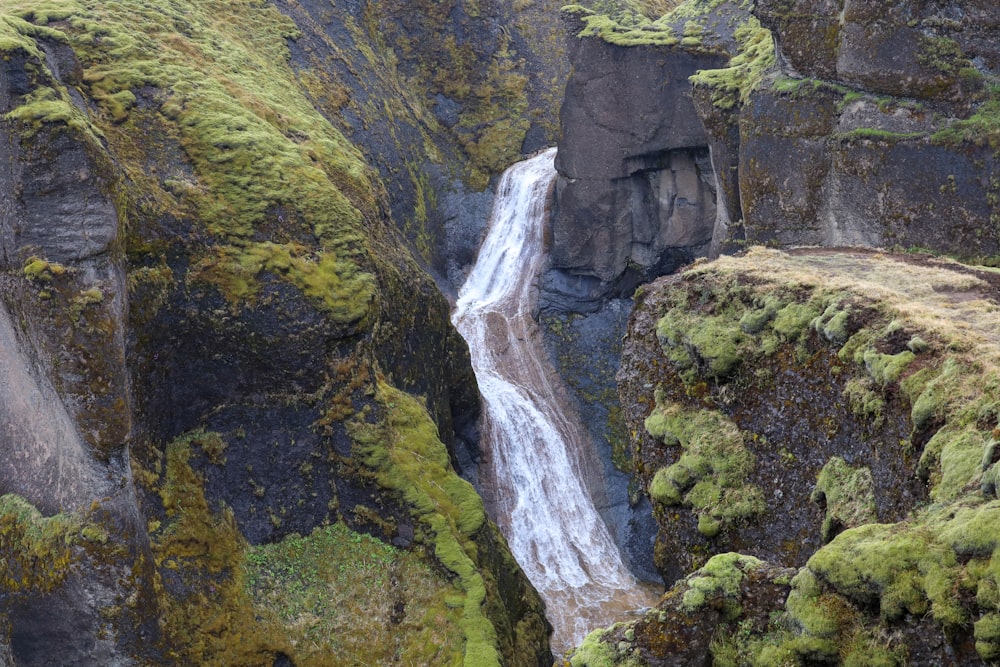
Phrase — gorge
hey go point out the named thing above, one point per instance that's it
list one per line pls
(238, 426)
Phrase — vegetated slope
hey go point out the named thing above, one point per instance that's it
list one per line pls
(832, 416)
(206, 282)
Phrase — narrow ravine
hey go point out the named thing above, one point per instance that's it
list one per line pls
(532, 440)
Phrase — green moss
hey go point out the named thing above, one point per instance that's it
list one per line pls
(340, 595)
(595, 652)
(865, 401)
(886, 369)
(409, 458)
(710, 475)
(981, 129)
(40, 270)
(833, 323)
(755, 321)
(906, 569)
(792, 322)
(334, 285)
(942, 54)
(733, 84)
(877, 134)
(931, 391)
(260, 151)
(917, 345)
(721, 575)
(987, 634)
(847, 494)
(717, 341)
(626, 27)
(951, 461)
(36, 551)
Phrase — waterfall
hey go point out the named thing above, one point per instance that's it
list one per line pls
(532, 440)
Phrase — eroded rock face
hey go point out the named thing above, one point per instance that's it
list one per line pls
(910, 49)
(779, 409)
(881, 118)
(66, 404)
(635, 194)
(857, 173)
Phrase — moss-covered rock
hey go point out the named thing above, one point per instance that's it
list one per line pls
(891, 580)
(699, 621)
(206, 280)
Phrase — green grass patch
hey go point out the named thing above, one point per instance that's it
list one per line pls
(409, 458)
(348, 597)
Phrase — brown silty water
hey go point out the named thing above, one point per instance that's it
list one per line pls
(536, 453)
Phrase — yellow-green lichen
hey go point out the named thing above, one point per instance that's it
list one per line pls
(40, 270)
(36, 551)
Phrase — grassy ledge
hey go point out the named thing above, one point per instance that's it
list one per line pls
(408, 457)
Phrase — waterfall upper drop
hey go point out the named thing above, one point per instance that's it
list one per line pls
(532, 440)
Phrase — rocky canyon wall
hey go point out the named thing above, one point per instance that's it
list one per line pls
(815, 378)
(830, 123)
(225, 364)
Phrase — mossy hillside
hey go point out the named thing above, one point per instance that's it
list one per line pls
(716, 333)
(909, 338)
(217, 75)
(711, 474)
(407, 457)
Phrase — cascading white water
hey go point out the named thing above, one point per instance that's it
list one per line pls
(532, 440)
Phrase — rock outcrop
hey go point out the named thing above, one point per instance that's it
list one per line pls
(635, 196)
(862, 127)
(831, 123)
(232, 397)
(885, 121)
(830, 411)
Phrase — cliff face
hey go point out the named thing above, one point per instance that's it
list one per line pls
(635, 196)
(831, 412)
(831, 123)
(886, 124)
(770, 405)
(224, 365)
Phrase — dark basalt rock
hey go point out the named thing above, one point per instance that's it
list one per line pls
(908, 49)
(635, 196)
(147, 391)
